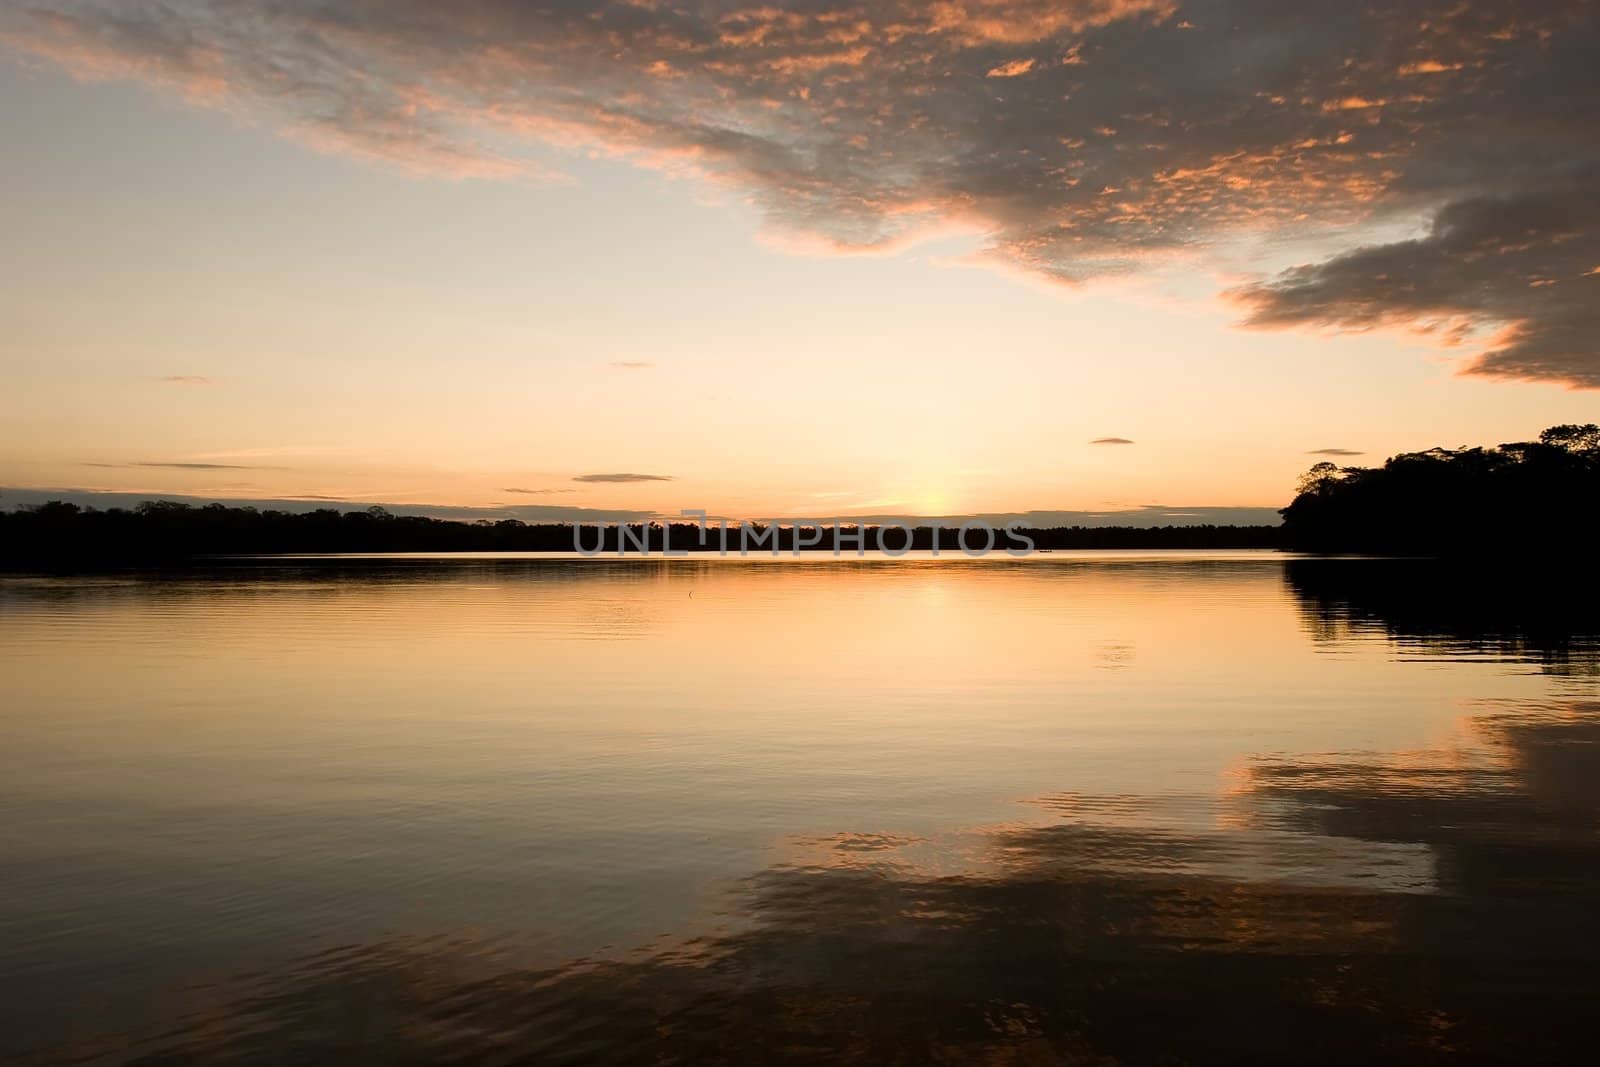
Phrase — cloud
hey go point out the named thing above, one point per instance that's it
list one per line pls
(632, 364)
(1013, 69)
(537, 492)
(622, 478)
(1334, 452)
(187, 379)
(1112, 134)
(187, 466)
(1522, 263)
(1111, 441)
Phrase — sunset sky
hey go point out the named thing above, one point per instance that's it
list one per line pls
(792, 258)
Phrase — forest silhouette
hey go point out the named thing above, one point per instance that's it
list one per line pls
(1537, 496)
(1533, 496)
(161, 532)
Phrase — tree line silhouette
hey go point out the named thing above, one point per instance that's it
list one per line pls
(167, 531)
(1536, 496)
(160, 532)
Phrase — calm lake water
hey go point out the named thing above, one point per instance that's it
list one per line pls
(1093, 808)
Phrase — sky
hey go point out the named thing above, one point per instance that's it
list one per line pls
(790, 259)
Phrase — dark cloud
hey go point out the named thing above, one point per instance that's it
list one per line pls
(536, 492)
(623, 478)
(1334, 452)
(1111, 441)
(1528, 264)
(187, 379)
(187, 466)
(1083, 137)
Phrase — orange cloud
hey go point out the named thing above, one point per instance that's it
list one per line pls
(1011, 69)
(1126, 131)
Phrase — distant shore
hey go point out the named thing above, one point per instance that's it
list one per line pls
(163, 532)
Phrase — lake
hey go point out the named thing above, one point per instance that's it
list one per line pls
(1082, 807)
